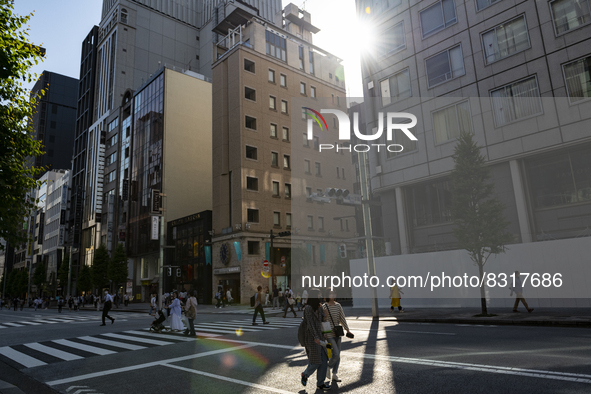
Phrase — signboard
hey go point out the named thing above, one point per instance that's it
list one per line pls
(129, 286)
(282, 261)
(156, 202)
(266, 265)
(229, 270)
(155, 223)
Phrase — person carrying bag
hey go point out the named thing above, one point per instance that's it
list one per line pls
(336, 319)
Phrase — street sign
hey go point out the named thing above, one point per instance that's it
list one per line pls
(156, 202)
(266, 265)
(282, 261)
(155, 223)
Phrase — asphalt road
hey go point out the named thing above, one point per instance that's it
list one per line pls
(71, 353)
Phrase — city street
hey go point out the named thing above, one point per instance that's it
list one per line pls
(71, 353)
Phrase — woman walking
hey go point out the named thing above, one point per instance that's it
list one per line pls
(313, 338)
(395, 296)
(191, 313)
(175, 313)
(336, 317)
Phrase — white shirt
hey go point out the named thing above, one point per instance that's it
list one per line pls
(228, 295)
(153, 301)
(108, 298)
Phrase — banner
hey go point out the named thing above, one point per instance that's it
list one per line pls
(238, 250)
(208, 254)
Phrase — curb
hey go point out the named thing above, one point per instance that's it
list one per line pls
(545, 323)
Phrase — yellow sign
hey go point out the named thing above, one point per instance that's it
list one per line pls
(138, 296)
(145, 283)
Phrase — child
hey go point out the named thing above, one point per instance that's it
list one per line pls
(299, 301)
(395, 295)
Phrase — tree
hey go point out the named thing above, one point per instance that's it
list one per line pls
(22, 282)
(62, 273)
(100, 266)
(117, 270)
(39, 277)
(17, 175)
(85, 279)
(480, 226)
(11, 282)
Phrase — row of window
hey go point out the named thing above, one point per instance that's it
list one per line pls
(252, 184)
(252, 216)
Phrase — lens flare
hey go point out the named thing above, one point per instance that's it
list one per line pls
(239, 332)
(265, 274)
(367, 10)
(229, 360)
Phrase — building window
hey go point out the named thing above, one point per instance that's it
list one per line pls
(252, 184)
(318, 169)
(306, 140)
(312, 91)
(338, 101)
(444, 66)
(111, 176)
(515, 101)
(283, 80)
(111, 159)
(482, 4)
(272, 103)
(273, 130)
(277, 219)
(251, 152)
(252, 215)
(284, 106)
(317, 143)
(430, 203)
(250, 94)
(288, 190)
(329, 75)
(561, 179)
(275, 45)
(303, 88)
(505, 40)
(301, 54)
(400, 138)
(275, 189)
(308, 192)
(249, 65)
(310, 222)
(307, 166)
(570, 14)
(437, 17)
(392, 40)
(304, 114)
(450, 122)
(250, 122)
(274, 159)
(271, 76)
(320, 223)
(286, 162)
(343, 171)
(123, 15)
(253, 247)
(111, 141)
(311, 60)
(285, 134)
(578, 79)
(288, 220)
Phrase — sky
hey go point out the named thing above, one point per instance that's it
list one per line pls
(61, 25)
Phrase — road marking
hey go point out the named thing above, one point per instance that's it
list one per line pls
(198, 327)
(163, 336)
(53, 352)
(30, 323)
(13, 324)
(86, 348)
(112, 343)
(210, 325)
(134, 339)
(146, 365)
(242, 382)
(21, 358)
(73, 387)
(409, 332)
(45, 321)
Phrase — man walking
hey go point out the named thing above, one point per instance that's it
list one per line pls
(518, 289)
(258, 306)
(107, 307)
(289, 302)
(153, 304)
(275, 296)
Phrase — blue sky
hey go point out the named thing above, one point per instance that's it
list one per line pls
(61, 25)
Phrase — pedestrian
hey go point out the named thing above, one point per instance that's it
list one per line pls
(518, 290)
(304, 298)
(314, 315)
(107, 307)
(191, 313)
(275, 296)
(229, 298)
(336, 318)
(289, 302)
(70, 303)
(258, 306)
(152, 304)
(395, 296)
(60, 304)
(218, 296)
(175, 312)
(125, 300)
(76, 304)
(299, 301)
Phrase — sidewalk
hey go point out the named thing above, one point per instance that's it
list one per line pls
(557, 317)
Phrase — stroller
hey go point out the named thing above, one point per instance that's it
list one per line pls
(157, 325)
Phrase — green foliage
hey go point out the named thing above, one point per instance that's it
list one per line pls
(117, 270)
(62, 273)
(480, 226)
(85, 279)
(17, 56)
(39, 277)
(100, 266)
(11, 281)
(22, 282)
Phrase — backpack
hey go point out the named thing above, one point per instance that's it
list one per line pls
(252, 301)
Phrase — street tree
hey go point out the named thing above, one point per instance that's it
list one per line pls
(62, 273)
(84, 282)
(22, 282)
(117, 270)
(100, 266)
(39, 278)
(480, 226)
(17, 106)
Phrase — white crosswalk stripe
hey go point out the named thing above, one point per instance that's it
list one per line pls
(68, 319)
(37, 354)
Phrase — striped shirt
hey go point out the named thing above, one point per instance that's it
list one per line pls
(338, 317)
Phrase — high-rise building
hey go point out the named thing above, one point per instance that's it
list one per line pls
(268, 176)
(54, 121)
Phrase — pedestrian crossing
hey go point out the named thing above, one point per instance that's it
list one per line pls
(66, 319)
(38, 354)
(247, 311)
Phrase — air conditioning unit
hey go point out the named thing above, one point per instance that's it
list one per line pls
(378, 169)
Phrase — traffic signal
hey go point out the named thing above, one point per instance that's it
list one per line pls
(343, 251)
(178, 272)
(169, 271)
(333, 192)
(284, 234)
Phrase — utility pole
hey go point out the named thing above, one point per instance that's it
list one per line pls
(365, 204)
(32, 244)
(70, 271)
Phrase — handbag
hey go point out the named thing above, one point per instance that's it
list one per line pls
(338, 330)
(191, 313)
(326, 328)
(291, 301)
